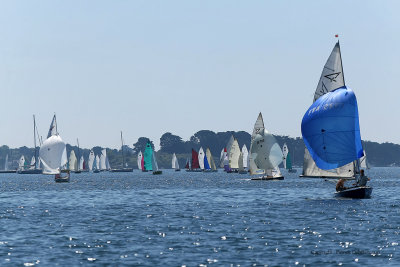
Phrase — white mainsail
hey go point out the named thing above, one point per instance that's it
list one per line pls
(108, 166)
(6, 163)
(258, 128)
(21, 162)
(33, 163)
(97, 162)
(229, 145)
(234, 153)
(73, 164)
(173, 161)
(81, 163)
(103, 158)
(240, 162)
(332, 77)
(91, 160)
(210, 159)
(363, 161)
(266, 153)
(285, 152)
(154, 162)
(201, 158)
(221, 158)
(332, 74)
(139, 160)
(245, 155)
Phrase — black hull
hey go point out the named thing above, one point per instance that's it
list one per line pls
(355, 192)
(266, 178)
(11, 171)
(242, 172)
(157, 172)
(77, 171)
(178, 170)
(122, 170)
(34, 171)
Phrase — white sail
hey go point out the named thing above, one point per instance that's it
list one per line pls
(201, 158)
(266, 152)
(81, 163)
(97, 162)
(103, 157)
(91, 160)
(258, 128)
(363, 161)
(173, 161)
(240, 162)
(154, 162)
(21, 162)
(310, 169)
(51, 154)
(245, 155)
(285, 152)
(176, 164)
(229, 145)
(108, 166)
(234, 153)
(211, 159)
(221, 158)
(73, 164)
(6, 163)
(139, 160)
(33, 163)
(332, 74)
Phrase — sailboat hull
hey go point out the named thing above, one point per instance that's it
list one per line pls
(268, 178)
(122, 170)
(157, 172)
(10, 171)
(33, 171)
(355, 192)
(61, 179)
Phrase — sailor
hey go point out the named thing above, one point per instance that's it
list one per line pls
(362, 180)
(340, 185)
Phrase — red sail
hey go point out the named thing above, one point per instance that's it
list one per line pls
(195, 160)
(142, 163)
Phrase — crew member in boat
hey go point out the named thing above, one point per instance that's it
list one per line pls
(362, 180)
(340, 185)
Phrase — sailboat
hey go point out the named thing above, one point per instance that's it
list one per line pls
(34, 166)
(91, 160)
(6, 170)
(245, 155)
(148, 157)
(156, 171)
(175, 163)
(266, 154)
(73, 163)
(52, 153)
(194, 165)
(258, 128)
(331, 79)
(211, 161)
(96, 164)
(201, 156)
(331, 131)
(287, 161)
(233, 156)
(103, 160)
(124, 165)
(79, 164)
(140, 161)
(21, 163)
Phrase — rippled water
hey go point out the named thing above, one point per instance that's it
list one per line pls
(193, 219)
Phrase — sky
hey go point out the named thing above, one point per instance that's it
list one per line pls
(150, 67)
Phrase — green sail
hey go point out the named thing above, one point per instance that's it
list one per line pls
(148, 156)
(288, 162)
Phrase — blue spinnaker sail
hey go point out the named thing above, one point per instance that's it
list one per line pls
(331, 129)
(206, 164)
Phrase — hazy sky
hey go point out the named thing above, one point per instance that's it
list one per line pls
(148, 67)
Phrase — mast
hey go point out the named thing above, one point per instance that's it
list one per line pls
(34, 139)
(122, 148)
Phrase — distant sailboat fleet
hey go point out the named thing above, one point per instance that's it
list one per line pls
(330, 129)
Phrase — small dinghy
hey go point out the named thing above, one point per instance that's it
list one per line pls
(355, 192)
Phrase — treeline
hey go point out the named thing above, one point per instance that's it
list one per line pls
(380, 155)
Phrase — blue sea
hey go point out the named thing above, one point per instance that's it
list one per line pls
(196, 219)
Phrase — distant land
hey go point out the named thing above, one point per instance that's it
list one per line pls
(378, 154)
